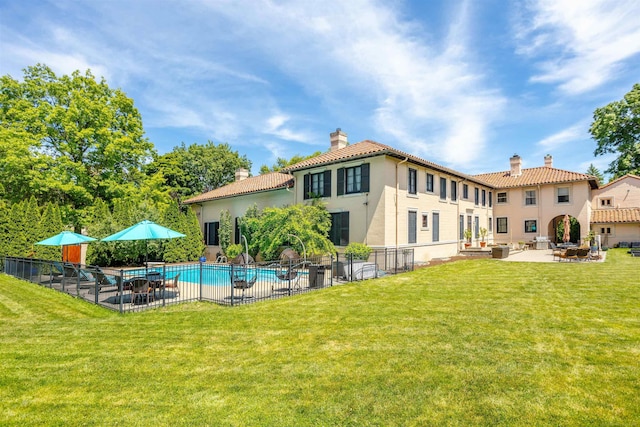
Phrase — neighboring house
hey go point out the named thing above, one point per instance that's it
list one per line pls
(375, 194)
(532, 202)
(616, 211)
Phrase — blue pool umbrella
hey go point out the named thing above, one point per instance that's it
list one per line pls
(66, 238)
(144, 230)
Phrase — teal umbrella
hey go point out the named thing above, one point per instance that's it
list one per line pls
(66, 238)
(144, 230)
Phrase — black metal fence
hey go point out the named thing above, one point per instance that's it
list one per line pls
(160, 284)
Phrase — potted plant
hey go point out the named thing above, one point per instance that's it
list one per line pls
(467, 236)
(483, 234)
(590, 240)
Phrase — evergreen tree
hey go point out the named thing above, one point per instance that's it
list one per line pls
(50, 225)
(593, 171)
(195, 239)
(174, 250)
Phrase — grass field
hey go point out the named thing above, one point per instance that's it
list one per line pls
(478, 342)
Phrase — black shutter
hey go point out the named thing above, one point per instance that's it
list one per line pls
(237, 231)
(327, 184)
(307, 186)
(340, 181)
(206, 233)
(364, 177)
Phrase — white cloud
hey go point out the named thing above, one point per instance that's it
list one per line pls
(275, 125)
(571, 134)
(580, 45)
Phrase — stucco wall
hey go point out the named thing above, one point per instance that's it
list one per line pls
(544, 211)
(624, 193)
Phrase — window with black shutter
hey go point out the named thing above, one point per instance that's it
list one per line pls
(211, 233)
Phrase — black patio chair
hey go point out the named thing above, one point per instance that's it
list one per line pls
(243, 277)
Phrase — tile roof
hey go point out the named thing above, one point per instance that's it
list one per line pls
(254, 184)
(629, 175)
(535, 176)
(367, 148)
(618, 215)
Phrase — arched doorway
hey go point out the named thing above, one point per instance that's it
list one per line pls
(556, 229)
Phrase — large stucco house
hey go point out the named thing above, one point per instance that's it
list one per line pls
(616, 211)
(390, 199)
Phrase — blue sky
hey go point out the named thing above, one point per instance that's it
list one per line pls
(465, 84)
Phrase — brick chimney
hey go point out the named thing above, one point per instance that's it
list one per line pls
(338, 140)
(516, 165)
(548, 161)
(241, 174)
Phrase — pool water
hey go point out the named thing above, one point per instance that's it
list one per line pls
(212, 275)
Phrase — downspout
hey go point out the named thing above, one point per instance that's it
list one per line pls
(406, 159)
(539, 209)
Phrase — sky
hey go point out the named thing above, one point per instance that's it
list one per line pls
(465, 84)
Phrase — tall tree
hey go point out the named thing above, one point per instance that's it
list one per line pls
(594, 171)
(282, 163)
(616, 129)
(76, 139)
(194, 169)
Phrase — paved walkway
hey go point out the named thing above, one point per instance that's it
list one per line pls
(545, 255)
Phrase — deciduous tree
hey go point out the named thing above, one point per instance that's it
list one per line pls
(616, 129)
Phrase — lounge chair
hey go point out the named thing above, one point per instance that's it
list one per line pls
(141, 290)
(569, 254)
(556, 251)
(583, 254)
(624, 245)
(243, 277)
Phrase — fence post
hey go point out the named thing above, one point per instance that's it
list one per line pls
(121, 291)
(201, 284)
(164, 279)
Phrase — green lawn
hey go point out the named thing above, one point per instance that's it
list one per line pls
(479, 342)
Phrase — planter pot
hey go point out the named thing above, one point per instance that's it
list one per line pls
(467, 245)
(483, 244)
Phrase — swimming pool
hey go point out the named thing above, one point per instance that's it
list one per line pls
(212, 274)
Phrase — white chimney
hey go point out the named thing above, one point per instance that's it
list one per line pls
(516, 165)
(548, 161)
(338, 140)
(241, 174)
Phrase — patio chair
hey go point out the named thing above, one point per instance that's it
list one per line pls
(141, 290)
(173, 284)
(243, 278)
(624, 245)
(569, 254)
(290, 274)
(583, 254)
(555, 251)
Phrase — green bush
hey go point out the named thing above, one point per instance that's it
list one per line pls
(233, 251)
(358, 251)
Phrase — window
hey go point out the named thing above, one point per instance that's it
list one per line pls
(435, 233)
(429, 183)
(317, 185)
(443, 188)
(530, 226)
(484, 197)
(606, 203)
(502, 197)
(339, 233)
(490, 198)
(563, 195)
(411, 238)
(530, 197)
(469, 222)
(490, 225)
(461, 225)
(412, 185)
(476, 223)
(211, 235)
(605, 230)
(501, 225)
(353, 180)
(465, 191)
(425, 221)
(476, 196)
(454, 191)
